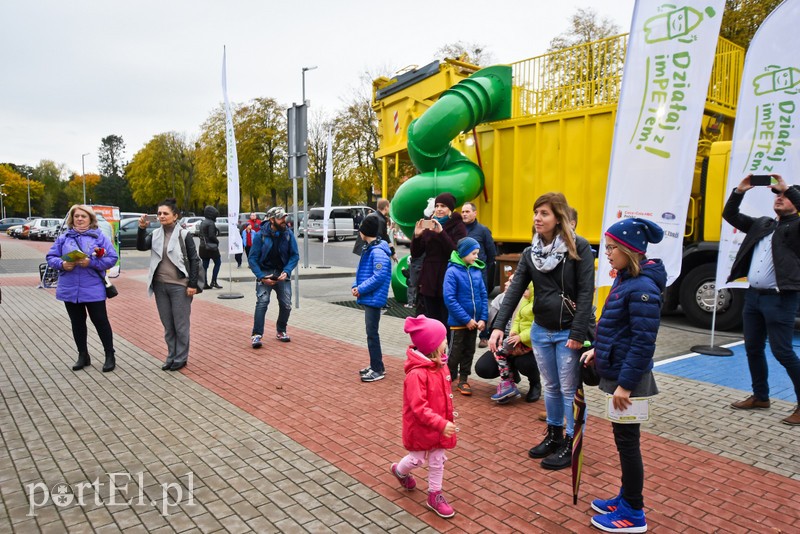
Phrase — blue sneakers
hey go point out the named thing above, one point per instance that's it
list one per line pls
(623, 519)
(506, 390)
(606, 507)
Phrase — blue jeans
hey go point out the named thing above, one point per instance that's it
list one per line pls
(284, 292)
(770, 316)
(559, 367)
(372, 318)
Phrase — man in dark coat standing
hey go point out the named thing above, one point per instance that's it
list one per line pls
(770, 259)
(382, 215)
(487, 253)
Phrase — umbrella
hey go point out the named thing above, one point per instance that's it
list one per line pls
(579, 411)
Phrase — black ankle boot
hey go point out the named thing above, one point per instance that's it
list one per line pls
(111, 362)
(215, 285)
(550, 444)
(534, 392)
(562, 458)
(83, 361)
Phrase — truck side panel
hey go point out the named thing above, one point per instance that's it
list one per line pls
(523, 160)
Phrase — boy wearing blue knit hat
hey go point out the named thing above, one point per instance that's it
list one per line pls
(467, 306)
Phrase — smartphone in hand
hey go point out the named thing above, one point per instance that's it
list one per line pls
(760, 180)
(427, 224)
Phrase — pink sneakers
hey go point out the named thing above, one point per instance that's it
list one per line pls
(406, 481)
(438, 504)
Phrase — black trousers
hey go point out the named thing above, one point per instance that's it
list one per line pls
(99, 316)
(462, 350)
(630, 460)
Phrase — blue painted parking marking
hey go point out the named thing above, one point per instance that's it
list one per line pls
(730, 371)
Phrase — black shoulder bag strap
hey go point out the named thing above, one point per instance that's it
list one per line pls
(181, 238)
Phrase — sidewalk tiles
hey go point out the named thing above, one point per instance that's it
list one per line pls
(308, 392)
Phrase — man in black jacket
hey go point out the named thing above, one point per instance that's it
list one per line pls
(382, 214)
(770, 259)
(487, 253)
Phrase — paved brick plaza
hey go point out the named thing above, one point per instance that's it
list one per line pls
(286, 439)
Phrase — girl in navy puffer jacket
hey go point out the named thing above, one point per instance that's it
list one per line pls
(623, 355)
(82, 255)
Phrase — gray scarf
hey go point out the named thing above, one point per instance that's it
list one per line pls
(546, 257)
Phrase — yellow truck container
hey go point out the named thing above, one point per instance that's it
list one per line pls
(545, 124)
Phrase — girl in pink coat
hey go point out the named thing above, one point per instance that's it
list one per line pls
(428, 427)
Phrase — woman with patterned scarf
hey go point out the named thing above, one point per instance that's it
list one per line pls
(561, 266)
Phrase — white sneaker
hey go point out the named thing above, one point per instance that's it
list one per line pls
(256, 341)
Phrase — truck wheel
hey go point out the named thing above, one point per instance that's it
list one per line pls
(339, 238)
(697, 300)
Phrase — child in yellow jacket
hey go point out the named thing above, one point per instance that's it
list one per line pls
(517, 343)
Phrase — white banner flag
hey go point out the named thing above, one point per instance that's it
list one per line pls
(234, 237)
(667, 68)
(328, 188)
(765, 137)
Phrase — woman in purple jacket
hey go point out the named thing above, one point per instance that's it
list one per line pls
(82, 255)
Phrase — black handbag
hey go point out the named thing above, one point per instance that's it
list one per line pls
(589, 375)
(111, 289)
(199, 288)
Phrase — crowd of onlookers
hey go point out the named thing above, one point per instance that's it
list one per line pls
(542, 326)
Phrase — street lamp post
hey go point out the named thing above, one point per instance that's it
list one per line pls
(83, 173)
(305, 182)
(2, 207)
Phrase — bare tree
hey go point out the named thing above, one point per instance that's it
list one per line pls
(474, 53)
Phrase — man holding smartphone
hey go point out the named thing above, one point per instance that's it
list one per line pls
(272, 259)
(770, 259)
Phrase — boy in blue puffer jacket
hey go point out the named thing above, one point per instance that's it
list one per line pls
(467, 306)
(371, 289)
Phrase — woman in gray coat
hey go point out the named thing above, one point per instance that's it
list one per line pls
(173, 276)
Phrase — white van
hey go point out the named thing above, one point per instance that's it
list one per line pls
(342, 224)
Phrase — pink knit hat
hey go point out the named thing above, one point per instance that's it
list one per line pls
(426, 334)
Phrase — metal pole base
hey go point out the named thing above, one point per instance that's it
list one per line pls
(230, 296)
(712, 350)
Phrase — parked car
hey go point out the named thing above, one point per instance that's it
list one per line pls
(39, 227)
(53, 232)
(222, 226)
(290, 221)
(399, 237)
(14, 231)
(105, 226)
(32, 229)
(243, 217)
(189, 222)
(129, 215)
(128, 228)
(10, 221)
(343, 221)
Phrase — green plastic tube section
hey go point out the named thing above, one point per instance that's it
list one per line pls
(483, 97)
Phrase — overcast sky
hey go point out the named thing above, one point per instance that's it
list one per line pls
(76, 71)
